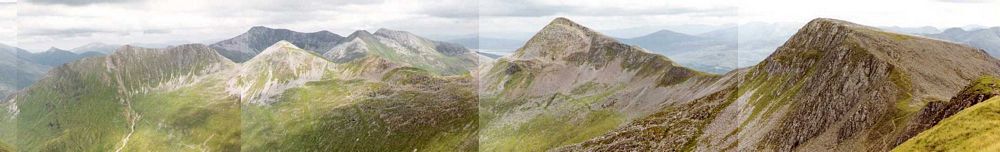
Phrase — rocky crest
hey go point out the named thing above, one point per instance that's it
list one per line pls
(980, 90)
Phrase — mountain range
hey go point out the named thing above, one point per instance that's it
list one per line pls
(390, 90)
(834, 85)
(987, 39)
(831, 86)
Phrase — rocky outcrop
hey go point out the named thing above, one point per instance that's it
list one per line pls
(978, 91)
(972, 129)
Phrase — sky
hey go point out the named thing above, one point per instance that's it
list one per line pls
(69, 23)
(904, 13)
(37, 25)
(8, 23)
(620, 18)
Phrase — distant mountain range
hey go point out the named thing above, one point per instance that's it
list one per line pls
(387, 91)
(95, 47)
(21, 68)
(718, 51)
(723, 50)
(987, 39)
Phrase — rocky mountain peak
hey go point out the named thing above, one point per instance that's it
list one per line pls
(390, 32)
(883, 74)
(258, 38)
(280, 47)
(563, 21)
(563, 40)
(363, 34)
(55, 49)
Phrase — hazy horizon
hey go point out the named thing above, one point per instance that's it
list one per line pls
(37, 25)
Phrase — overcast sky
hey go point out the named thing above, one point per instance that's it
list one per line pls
(905, 13)
(619, 18)
(8, 24)
(69, 23)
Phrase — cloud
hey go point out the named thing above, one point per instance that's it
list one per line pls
(522, 8)
(78, 2)
(66, 33)
(966, 1)
(534, 8)
(8, 23)
(156, 31)
(450, 8)
(68, 24)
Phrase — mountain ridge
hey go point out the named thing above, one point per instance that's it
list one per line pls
(568, 75)
(250, 43)
(797, 98)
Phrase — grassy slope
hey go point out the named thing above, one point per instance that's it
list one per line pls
(76, 111)
(83, 106)
(573, 121)
(418, 112)
(194, 118)
(8, 128)
(972, 129)
(82, 110)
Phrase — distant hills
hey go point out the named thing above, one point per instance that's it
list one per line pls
(718, 51)
(710, 54)
(95, 47)
(21, 68)
(723, 50)
(987, 39)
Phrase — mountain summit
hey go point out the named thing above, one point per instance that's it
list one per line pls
(578, 83)
(249, 44)
(836, 80)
